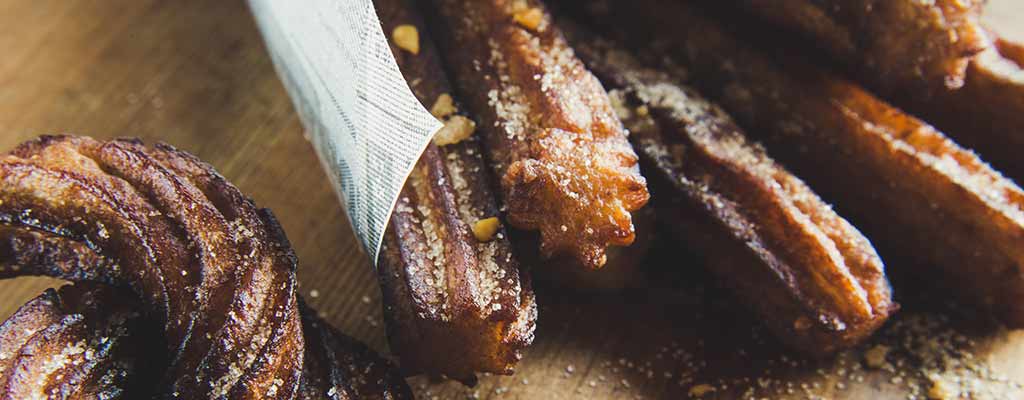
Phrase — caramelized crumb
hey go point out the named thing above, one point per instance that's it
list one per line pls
(455, 129)
(939, 390)
(443, 106)
(529, 18)
(701, 390)
(485, 229)
(407, 37)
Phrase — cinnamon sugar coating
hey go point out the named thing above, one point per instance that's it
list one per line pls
(565, 165)
(810, 275)
(457, 302)
(930, 207)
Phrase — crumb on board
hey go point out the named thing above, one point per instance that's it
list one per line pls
(919, 356)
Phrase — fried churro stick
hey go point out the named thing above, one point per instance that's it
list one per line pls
(565, 165)
(813, 279)
(984, 114)
(214, 269)
(987, 114)
(893, 44)
(456, 300)
(912, 190)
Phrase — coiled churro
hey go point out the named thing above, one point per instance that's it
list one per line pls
(215, 270)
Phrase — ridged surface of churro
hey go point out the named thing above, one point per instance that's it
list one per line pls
(810, 275)
(563, 160)
(893, 44)
(921, 198)
(456, 304)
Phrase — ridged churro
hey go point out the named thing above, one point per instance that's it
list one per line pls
(811, 276)
(921, 198)
(455, 298)
(564, 163)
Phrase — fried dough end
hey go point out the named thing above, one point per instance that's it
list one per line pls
(456, 300)
(627, 267)
(987, 114)
(214, 270)
(812, 278)
(893, 44)
(454, 305)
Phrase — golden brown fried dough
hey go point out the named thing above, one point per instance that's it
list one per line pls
(809, 274)
(917, 194)
(455, 299)
(987, 114)
(214, 269)
(893, 44)
(565, 164)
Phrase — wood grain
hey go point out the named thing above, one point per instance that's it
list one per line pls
(195, 74)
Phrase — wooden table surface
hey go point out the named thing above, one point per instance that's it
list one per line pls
(195, 74)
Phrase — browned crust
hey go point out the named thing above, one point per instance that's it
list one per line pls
(812, 277)
(893, 44)
(453, 303)
(215, 269)
(565, 166)
(987, 114)
(918, 195)
(50, 185)
(339, 367)
(81, 341)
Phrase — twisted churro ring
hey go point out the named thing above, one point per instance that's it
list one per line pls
(216, 270)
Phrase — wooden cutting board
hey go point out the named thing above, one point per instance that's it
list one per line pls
(195, 74)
